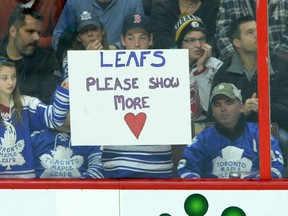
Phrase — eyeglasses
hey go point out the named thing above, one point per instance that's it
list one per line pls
(193, 41)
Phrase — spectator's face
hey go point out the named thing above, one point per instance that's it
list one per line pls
(89, 35)
(7, 80)
(194, 40)
(136, 38)
(247, 41)
(226, 111)
(27, 36)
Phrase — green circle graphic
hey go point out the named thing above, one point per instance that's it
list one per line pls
(196, 205)
(233, 211)
(165, 214)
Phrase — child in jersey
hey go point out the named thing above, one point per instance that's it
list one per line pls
(55, 157)
(20, 116)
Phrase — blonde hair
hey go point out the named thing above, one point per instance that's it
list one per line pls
(18, 106)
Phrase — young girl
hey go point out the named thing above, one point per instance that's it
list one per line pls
(20, 116)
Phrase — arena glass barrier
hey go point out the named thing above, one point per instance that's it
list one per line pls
(140, 186)
(264, 182)
(125, 197)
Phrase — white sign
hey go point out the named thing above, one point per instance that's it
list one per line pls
(129, 97)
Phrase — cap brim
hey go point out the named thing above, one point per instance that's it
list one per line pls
(223, 93)
(87, 23)
(137, 25)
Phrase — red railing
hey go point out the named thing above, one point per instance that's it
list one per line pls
(263, 90)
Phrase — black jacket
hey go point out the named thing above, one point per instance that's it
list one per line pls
(165, 14)
(38, 74)
(278, 88)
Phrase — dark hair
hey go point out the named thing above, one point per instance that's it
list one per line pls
(68, 41)
(17, 108)
(65, 43)
(234, 30)
(17, 17)
(77, 45)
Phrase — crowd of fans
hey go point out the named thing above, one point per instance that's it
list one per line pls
(221, 39)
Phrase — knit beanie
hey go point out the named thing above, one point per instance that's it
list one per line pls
(185, 24)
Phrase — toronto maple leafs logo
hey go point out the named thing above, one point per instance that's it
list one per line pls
(85, 15)
(231, 161)
(61, 164)
(10, 148)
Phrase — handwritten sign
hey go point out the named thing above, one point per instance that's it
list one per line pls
(129, 97)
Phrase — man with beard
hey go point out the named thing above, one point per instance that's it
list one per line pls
(50, 9)
(38, 70)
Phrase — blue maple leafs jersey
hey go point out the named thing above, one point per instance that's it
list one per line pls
(212, 155)
(54, 157)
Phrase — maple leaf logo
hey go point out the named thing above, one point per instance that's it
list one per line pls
(61, 163)
(231, 161)
(10, 151)
(86, 15)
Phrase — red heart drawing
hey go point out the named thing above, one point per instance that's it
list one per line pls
(135, 123)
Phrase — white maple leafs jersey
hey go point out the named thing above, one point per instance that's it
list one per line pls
(200, 88)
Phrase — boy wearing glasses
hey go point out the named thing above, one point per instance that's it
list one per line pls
(191, 35)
